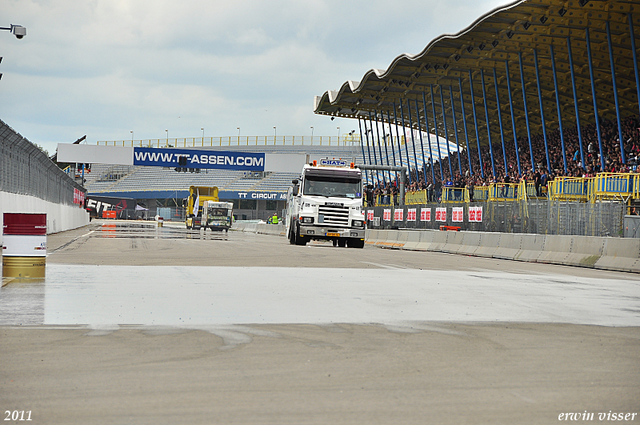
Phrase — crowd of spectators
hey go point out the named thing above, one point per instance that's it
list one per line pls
(539, 174)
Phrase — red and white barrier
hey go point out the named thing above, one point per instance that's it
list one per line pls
(24, 249)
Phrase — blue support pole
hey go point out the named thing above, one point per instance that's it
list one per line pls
(464, 123)
(404, 133)
(374, 149)
(395, 119)
(446, 132)
(413, 143)
(455, 129)
(504, 152)
(435, 128)
(526, 112)
(615, 94)
(424, 161)
(393, 150)
(426, 124)
(386, 151)
(366, 133)
(635, 56)
(475, 122)
(575, 103)
(513, 117)
(555, 85)
(364, 158)
(544, 129)
(595, 103)
(486, 116)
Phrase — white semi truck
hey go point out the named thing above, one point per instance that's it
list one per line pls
(326, 204)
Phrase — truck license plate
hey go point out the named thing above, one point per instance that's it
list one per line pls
(333, 234)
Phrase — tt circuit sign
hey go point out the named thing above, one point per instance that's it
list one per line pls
(180, 158)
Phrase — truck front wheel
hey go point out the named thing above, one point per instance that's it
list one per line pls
(299, 240)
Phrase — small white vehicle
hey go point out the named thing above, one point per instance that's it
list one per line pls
(326, 204)
(217, 215)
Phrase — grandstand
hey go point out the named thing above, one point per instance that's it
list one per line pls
(156, 187)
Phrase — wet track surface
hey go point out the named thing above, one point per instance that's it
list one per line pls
(170, 276)
(146, 325)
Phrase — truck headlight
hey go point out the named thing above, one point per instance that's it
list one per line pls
(358, 223)
(307, 220)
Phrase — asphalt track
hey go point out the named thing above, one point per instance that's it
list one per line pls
(138, 324)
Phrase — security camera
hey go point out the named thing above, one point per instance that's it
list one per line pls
(19, 31)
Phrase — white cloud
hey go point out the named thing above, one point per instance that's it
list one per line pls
(107, 67)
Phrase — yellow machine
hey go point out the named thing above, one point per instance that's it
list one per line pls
(198, 195)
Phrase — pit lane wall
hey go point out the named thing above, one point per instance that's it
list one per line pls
(605, 253)
(60, 217)
(31, 182)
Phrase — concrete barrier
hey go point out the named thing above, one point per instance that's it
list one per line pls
(438, 240)
(470, 243)
(426, 238)
(387, 238)
(371, 236)
(413, 240)
(531, 247)
(453, 245)
(620, 254)
(489, 243)
(583, 251)
(403, 237)
(556, 249)
(509, 246)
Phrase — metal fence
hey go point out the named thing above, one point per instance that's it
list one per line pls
(26, 170)
(533, 216)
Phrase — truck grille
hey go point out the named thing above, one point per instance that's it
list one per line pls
(335, 215)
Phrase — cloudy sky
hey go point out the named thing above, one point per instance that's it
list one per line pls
(105, 68)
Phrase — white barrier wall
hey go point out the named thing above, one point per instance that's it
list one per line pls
(59, 217)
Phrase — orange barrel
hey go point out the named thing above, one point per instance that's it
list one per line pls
(24, 250)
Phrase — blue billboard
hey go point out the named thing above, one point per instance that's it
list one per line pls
(191, 158)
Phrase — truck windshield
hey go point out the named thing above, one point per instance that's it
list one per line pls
(218, 212)
(342, 187)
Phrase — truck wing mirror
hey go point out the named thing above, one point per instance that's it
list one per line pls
(296, 189)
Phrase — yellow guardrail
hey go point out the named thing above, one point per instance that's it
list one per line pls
(416, 197)
(453, 195)
(503, 192)
(527, 189)
(604, 186)
(614, 186)
(569, 189)
(480, 194)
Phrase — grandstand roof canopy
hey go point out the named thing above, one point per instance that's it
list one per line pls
(496, 40)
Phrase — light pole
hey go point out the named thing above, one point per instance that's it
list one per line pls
(312, 133)
(202, 128)
(238, 137)
(167, 131)
(274, 135)
(131, 137)
(338, 135)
